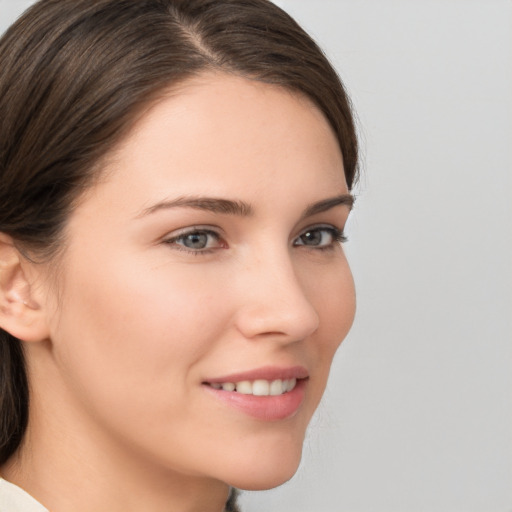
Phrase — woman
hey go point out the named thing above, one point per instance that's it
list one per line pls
(175, 180)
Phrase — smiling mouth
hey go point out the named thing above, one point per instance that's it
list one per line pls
(258, 387)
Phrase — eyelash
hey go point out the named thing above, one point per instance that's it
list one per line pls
(337, 235)
(194, 231)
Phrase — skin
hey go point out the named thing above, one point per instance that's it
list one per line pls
(132, 324)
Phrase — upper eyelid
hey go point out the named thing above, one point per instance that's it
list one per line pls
(215, 230)
(177, 233)
(322, 225)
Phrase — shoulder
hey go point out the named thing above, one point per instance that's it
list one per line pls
(15, 499)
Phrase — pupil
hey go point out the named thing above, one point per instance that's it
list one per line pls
(312, 238)
(196, 241)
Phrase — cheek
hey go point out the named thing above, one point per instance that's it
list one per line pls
(134, 334)
(341, 306)
(332, 292)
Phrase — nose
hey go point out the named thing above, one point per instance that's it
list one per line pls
(273, 302)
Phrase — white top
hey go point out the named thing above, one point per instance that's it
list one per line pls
(15, 499)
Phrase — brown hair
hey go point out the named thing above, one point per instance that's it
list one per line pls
(74, 74)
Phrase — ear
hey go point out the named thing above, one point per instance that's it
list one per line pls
(21, 314)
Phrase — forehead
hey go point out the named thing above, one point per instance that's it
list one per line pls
(218, 130)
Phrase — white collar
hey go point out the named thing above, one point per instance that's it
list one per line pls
(15, 499)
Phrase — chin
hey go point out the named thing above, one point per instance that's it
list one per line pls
(266, 472)
(263, 482)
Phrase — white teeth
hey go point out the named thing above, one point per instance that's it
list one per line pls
(291, 384)
(258, 387)
(261, 388)
(276, 388)
(244, 387)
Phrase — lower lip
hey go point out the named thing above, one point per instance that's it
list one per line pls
(266, 408)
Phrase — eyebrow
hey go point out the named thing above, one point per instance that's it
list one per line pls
(241, 208)
(327, 204)
(211, 204)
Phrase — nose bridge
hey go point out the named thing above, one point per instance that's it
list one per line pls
(274, 300)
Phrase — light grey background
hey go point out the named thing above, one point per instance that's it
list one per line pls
(418, 413)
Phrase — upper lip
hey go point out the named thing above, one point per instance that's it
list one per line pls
(264, 373)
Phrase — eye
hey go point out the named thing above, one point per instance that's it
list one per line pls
(321, 237)
(196, 240)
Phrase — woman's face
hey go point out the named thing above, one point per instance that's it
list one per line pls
(208, 255)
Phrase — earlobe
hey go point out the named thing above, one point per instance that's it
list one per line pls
(21, 315)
